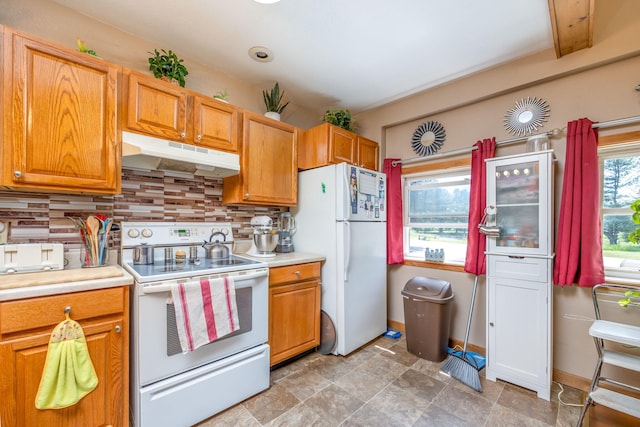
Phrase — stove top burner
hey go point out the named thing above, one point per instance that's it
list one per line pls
(179, 270)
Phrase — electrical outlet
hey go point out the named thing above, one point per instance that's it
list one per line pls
(4, 231)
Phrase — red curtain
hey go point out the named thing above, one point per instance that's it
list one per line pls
(579, 246)
(476, 242)
(395, 251)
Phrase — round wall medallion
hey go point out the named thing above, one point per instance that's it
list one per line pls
(428, 138)
(526, 116)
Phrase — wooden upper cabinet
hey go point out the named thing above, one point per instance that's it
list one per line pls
(268, 164)
(368, 153)
(60, 125)
(156, 107)
(327, 144)
(167, 111)
(215, 124)
(342, 146)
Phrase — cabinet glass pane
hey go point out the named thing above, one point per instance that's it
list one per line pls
(517, 203)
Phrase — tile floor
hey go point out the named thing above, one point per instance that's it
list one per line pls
(376, 387)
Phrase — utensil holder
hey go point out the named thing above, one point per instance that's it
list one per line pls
(89, 259)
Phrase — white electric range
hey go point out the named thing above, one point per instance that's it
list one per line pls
(169, 387)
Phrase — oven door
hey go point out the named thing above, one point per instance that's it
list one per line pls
(156, 347)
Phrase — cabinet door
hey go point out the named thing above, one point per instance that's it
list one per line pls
(62, 126)
(368, 153)
(268, 172)
(342, 145)
(156, 108)
(518, 331)
(215, 124)
(519, 187)
(294, 319)
(22, 364)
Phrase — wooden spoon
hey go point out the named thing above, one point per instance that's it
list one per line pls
(93, 227)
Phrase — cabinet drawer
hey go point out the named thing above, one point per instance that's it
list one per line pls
(294, 273)
(535, 269)
(27, 314)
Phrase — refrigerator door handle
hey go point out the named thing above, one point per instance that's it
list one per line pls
(347, 254)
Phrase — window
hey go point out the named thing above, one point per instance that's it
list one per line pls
(620, 184)
(436, 210)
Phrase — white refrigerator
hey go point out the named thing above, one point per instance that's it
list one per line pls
(341, 214)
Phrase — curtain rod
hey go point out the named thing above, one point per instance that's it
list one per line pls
(554, 133)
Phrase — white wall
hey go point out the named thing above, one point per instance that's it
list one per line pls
(598, 83)
(56, 23)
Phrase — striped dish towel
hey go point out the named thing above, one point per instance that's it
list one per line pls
(205, 311)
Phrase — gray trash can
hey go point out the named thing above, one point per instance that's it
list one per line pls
(427, 315)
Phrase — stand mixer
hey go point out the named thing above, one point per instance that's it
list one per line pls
(265, 238)
(287, 228)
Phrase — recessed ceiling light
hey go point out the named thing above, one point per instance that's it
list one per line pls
(261, 54)
(267, 1)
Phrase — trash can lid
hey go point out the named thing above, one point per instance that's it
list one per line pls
(428, 289)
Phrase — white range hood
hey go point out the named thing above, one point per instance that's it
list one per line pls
(147, 152)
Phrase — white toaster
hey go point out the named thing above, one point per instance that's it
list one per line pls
(30, 257)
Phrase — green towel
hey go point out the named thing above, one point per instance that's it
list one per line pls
(68, 373)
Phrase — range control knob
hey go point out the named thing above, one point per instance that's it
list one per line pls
(225, 231)
(147, 232)
(133, 233)
(215, 230)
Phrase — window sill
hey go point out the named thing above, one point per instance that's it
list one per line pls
(434, 265)
(622, 281)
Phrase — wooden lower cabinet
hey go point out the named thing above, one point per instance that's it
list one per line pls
(25, 332)
(294, 310)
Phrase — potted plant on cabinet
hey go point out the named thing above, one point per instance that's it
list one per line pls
(167, 65)
(340, 118)
(82, 47)
(222, 95)
(273, 100)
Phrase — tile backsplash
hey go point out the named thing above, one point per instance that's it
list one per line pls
(146, 196)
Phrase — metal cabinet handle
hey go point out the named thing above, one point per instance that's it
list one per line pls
(246, 195)
(17, 174)
(297, 273)
(491, 324)
(118, 328)
(67, 309)
(183, 134)
(199, 137)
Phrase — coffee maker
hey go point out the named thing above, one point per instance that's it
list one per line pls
(286, 229)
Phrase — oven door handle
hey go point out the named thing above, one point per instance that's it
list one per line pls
(166, 287)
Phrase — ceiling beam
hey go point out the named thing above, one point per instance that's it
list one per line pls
(572, 25)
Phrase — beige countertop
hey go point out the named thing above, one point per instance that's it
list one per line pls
(281, 260)
(29, 285)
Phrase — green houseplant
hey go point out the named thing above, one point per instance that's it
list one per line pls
(222, 95)
(340, 118)
(274, 101)
(632, 298)
(168, 65)
(82, 47)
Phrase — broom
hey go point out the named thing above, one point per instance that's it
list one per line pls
(459, 366)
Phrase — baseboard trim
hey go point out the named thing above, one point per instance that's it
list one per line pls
(561, 377)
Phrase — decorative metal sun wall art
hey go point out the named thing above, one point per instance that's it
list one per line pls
(428, 138)
(526, 116)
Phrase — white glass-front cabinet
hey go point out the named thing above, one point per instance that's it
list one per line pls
(519, 270)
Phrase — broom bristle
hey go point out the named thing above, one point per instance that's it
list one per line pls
(463, 371)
